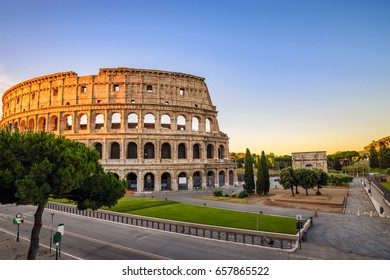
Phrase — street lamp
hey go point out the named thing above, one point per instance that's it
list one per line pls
(51, 231)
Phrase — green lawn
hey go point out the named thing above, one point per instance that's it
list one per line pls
(386, 185)
(203, 215)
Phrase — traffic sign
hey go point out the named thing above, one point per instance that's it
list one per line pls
(61, 229)
(57, 237)
(299, 217)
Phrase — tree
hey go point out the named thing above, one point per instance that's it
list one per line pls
(322, 180)
(262, 182)
(384, 156)
(374, 161)
(288, 179)
(37, 166)
(308, 178)
(249, 179)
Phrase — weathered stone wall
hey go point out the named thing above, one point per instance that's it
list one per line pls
(157, 129)
(310, 160)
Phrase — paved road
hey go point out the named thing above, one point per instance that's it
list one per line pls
(333, 236)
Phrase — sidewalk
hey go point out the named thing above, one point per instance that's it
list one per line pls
(10, 249)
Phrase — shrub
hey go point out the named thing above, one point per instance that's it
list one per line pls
(243, 194)
(217, 192)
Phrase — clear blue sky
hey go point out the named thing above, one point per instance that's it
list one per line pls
(286, 76)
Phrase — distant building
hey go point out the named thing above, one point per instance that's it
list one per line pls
(310, 160)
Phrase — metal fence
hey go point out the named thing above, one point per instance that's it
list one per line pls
(247, 237)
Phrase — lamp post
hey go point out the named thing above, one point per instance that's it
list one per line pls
(51, 231)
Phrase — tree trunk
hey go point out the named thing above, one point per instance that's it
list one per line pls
(296, 190)
(292, 191)
(34, 243)
(306, 192)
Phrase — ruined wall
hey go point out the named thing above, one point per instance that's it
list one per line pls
(157, 129)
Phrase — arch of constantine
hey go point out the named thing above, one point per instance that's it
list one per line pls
(156, 129)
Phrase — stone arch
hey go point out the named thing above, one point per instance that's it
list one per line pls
(99, 121)
(41, 124)
(221, 178)
(195, 124)
(166, 151)
(210, 151)
(181, 151)
(208, 125)
(132, 121)
(99, 147)
(132, 150)
(166, 181)
(149, 182)
(22, 126)
(115, 150)
(132, 181)
(211, 179)
(149, 121)
(165, 121)
(53, 124)
(67, 122)
(181, 122)
(231, 177)
(196, 151)
(221, 152)
(83, 119)
(197, 180)
(116, 120)
(31, 124)
(149, 151)
(182, 181)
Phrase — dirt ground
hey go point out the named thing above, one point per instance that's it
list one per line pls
(330, 200)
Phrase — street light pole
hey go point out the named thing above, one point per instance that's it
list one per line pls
(51, 231)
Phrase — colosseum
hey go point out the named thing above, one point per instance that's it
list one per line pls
(156, 129)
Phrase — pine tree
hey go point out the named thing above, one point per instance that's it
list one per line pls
(260, 178)
(264, 167)
(249, 180)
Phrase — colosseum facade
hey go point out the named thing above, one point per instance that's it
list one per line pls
(156, 129)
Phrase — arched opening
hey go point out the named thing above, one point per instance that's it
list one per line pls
(196, 151)
(231, 178)
(115, 151)
(210, 151)
(149, 151)
(132, 181)
(116, 121)
(99, 121)
(166, 182)
(165, 151)
(181, 123)
(210, 179)
(23, 126)
(309, 166)
(195, 124)
(116, 175)
(149, 121)
(197, 180)
(99, 148)
(221, 178)
(183, 182)
(181, 151)
(221, 152)
(166, 121)
(41, 124)
(31, 125)
(208, 125)
(132, 150)
(132, 121)
(149, 182)
(83, 122)
(68, 122)
(53, 126)
(16, 126)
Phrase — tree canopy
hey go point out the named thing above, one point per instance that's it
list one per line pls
(37, 166)
(249, 180)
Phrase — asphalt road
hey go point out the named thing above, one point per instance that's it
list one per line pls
(333, 236)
